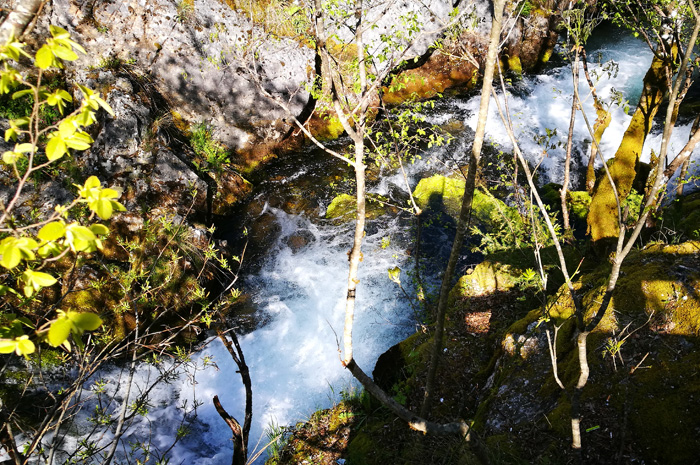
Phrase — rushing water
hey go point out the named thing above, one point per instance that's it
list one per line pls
(299, 287)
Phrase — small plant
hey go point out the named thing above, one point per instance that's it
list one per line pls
(277, 438)
(213, 155)
(113, 62)
(185, 11)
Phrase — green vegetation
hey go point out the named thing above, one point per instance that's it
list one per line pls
(211, 154)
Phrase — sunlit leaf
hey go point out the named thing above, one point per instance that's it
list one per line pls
(21, 345)
(85, 321)
(34, 281)
(22, 93)
(44, 57)
(14, 250)
(56, 147)
(395, 274)
(59, 331)
(99, 229)
(52, 231)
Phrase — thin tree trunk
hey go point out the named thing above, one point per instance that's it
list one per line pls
(16, 22)
(239, 448)
(240, 435)
(603, 119)
(569, 146)
(465, 211)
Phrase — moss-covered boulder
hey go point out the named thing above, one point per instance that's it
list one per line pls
(638, 355)
(439, 194)
(343, 208)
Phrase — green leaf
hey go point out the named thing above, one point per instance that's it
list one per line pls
(14, 250)
(81, 239)
(64, 53)
(52, 231)
(10, 158)
(12, 50)
(84, 321)
(59, 331)
(22, 93)
(99, 229)
(24, 346)
(7, 346)
(395, 274)
(80, 140)
(35, 280)
(44, 57)
(103, 208)
(56, 147)
(21, 345)
(59, 98)
(50, 249)
(57, 32)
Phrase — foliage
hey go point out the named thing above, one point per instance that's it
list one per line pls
(280, 18)
(211, 153)
(29, 245)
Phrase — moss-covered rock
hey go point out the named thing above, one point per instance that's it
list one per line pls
(442, 193)
(638, 357)
(343, 208)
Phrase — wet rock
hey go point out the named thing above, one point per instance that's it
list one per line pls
(299, 240)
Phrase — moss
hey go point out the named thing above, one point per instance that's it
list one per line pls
(441, 193)
(325, 126)
(440, 74)
(360, 447)
(578, 202)
(602, 217)
(515, 66)
(343, 208)
(684, 216)
(180, 123)
(665, 402)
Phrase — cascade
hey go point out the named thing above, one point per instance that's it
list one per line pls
(293, 354)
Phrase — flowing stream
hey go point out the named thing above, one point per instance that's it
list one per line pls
(299, 280)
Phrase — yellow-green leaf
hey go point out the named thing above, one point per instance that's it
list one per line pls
(99, 229)
(10, 158)
(35, 280)
(22, 93)
(59, 331)
(56, 147)
(50, 249)
(24, 346)
(21, 345)
(80, 140)
(14, 250)
(103, 208)
(85, 321)
(44, 57)
(52, 231)
(64, 53)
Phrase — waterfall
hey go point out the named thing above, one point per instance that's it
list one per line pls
(299, 289)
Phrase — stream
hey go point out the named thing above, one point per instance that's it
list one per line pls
(297, 281)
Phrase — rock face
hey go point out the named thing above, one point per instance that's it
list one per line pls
(198, 54)
(191, 51)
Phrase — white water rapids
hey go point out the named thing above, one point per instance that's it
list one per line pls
(293, 356)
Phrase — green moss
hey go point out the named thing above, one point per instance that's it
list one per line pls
(602, 217)
(343, 208)
(684, 216)
(326, 126)
(515, 66)
(441, 193)
(578, 202)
